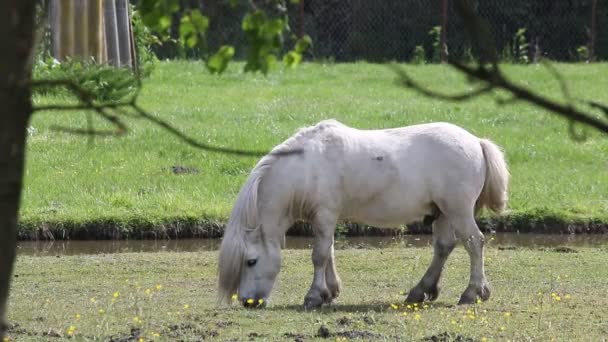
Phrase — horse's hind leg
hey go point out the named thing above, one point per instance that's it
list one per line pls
(443, 244)
(473, 241)
(331, 276)
(324, 225)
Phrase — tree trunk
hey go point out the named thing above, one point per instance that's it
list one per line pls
(17, 39)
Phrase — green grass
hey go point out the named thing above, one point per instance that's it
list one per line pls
(50, 295)
(127, 182)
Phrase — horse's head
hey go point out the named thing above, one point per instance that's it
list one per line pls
(248, 266)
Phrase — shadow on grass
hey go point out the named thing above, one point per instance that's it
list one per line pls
(364, 307)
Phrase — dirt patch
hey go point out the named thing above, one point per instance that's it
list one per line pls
(564, 250)
(223, 324)
(132, 336)
(357, 334)
(344, 321)
(178, 330)
(294, 337)
(448, 337)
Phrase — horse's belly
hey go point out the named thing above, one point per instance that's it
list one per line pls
(388, 214)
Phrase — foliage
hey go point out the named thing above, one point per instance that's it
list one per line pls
(435, 34)
(419, 55)
(582, 53)
(517, 50)
(105, 82)
(144, 40)
(218, 62)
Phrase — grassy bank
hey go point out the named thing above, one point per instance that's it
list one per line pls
(129, 185)
(537, 295)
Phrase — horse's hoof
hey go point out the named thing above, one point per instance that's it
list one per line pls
(419, 295)
(432, 293)
(470, 295)
(416, 295)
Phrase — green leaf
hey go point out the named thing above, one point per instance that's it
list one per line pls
(199, 21)
(219, 61)
(292, 59)
(303, 44)
(254, 20)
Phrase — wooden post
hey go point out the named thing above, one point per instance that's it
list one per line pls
(81, 28)
(124, 36)
(444, 30)
(593, 31)
(66, 33)
(95, 30)
(301, 19)
(111, 32)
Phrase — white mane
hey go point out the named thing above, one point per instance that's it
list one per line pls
(245, 213)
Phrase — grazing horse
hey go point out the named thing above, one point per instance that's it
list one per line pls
(382, 178)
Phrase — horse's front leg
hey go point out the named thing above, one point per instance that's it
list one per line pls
(324, 227)
(331, 276)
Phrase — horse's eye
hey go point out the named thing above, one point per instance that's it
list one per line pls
(251, 262)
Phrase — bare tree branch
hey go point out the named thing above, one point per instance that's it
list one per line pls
(408, 82)
(495, 79)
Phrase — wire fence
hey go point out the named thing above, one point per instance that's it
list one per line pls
(406, 30)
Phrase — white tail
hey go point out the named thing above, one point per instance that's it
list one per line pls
(494, 193)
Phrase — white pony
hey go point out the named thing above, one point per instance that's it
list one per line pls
(383, 178)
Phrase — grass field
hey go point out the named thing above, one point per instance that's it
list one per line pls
(128, 182)
(539, 295)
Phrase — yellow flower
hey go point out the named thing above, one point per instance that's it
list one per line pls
(6, 339)
(260, 301)
(453, 321)
(425, 306)
(471, 316)
(484, 339)
(141, 339)
(116, 294)
(148, 292)
(478, 301)
(186, 306)
(402, 292)
(508, 314)
(557, 298)
(158, 287)
(155, 334)
(77, 316)
(250, 301)
(394, 306)
(234, 296)
(409, 306)
(503, 328)
(553, 294)
(417, 317)
(404, 313)
(101, 311)
(93, 300)
(567, 296)
(71, 330)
